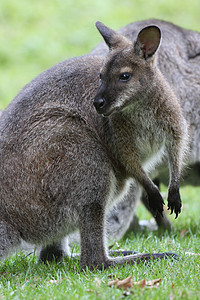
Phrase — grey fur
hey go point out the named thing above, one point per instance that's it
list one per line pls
(147, 117)
(178, 59)
(57, 169)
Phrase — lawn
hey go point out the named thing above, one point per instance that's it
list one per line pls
(34, 35)
(23, 278)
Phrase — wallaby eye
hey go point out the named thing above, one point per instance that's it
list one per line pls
(125, 76)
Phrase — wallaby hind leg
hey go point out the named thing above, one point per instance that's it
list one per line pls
(93, 253)
(9, 238)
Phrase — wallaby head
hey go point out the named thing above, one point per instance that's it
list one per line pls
(124, 77)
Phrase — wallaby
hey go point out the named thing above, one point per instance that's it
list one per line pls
(178, 59)
(149, 123)
(62, 165)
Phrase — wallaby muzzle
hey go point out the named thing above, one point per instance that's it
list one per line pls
(102, 106)
(99, 104)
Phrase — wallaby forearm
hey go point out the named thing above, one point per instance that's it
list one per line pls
(177, 148)
(154, 197)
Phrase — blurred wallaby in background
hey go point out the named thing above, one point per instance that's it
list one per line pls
(179, 62)
(62, 165)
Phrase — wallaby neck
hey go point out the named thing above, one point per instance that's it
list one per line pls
(141, 125)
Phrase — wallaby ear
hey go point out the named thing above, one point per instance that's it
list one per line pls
(111, 37)
(148, 41)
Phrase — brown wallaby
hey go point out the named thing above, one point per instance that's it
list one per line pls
(140, 115)
(178, 59)
(62, 166)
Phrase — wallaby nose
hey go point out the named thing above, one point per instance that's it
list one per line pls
(99, 103)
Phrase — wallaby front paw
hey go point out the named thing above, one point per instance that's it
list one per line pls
(156, 203)
(174, 202)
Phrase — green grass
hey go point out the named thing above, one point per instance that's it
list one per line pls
(34, 35)
(21, 277)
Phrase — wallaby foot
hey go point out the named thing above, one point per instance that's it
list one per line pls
(130, 260)
(51, 253)
(138, 258)
(93, 253)
(121, 252)
(9, 238)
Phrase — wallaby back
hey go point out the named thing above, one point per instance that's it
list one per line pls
(47, 123)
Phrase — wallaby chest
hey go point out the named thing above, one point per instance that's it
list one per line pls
(137, 136)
